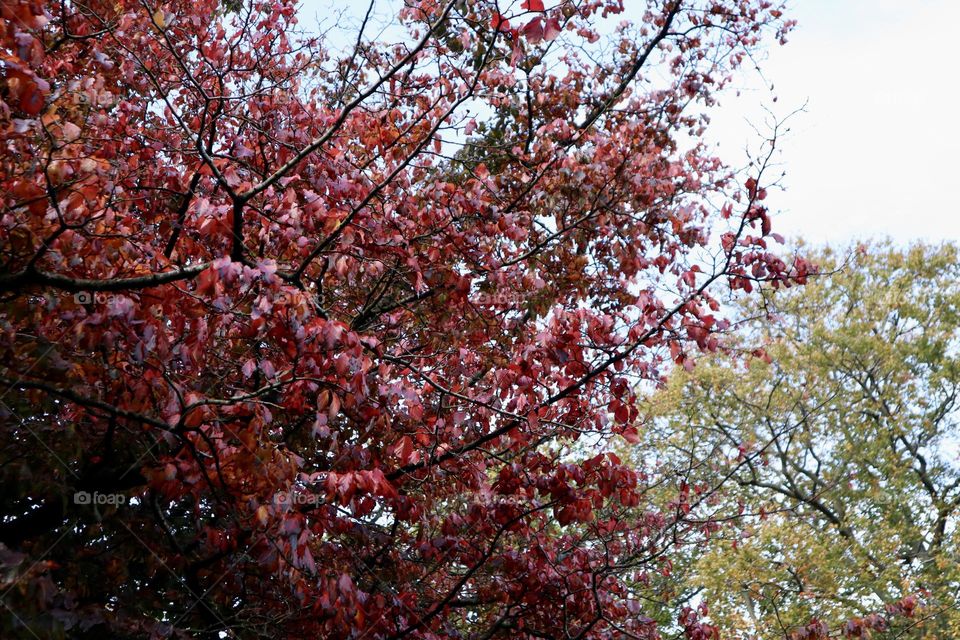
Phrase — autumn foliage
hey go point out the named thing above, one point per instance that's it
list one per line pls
(304, 343)
(837, 455)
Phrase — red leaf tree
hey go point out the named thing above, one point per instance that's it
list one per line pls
(299, 344)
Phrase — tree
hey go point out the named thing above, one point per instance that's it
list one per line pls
(297, 343)
(854, 501)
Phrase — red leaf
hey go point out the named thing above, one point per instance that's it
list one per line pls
(403, 449)
(532, 5)
(533, 30)
(499, 23)
(31, 100)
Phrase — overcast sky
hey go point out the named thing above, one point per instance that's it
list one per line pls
(876, 151)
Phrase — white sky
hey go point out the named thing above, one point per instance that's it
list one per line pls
(876, 151)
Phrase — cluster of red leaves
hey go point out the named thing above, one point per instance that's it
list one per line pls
(537, 29)
(338, 366)
(864, 627)
(20, 53)
(693, 626)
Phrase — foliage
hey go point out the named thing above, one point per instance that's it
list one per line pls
(292, 347)
(854, 499)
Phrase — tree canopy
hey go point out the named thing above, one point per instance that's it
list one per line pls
(296, 344)
(854, 501)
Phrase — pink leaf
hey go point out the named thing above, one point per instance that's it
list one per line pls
(552, 30)
(345, 584)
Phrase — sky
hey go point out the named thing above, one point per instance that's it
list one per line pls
(876, 150)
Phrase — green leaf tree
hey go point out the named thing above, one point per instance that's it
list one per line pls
(837, 452)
